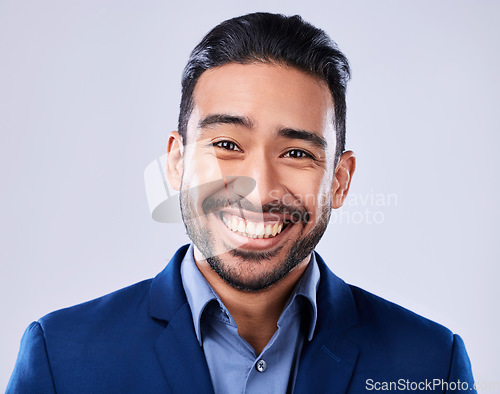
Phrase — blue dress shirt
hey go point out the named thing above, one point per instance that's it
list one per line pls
(233, 364)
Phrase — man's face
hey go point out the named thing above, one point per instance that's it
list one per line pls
(258, 170)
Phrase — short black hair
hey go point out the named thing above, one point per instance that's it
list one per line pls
(270, 38)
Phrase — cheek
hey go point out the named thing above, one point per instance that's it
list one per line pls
(208, 171)
(311, 190)
(201, 167)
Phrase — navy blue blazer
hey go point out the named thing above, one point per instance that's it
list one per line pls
(141, 340)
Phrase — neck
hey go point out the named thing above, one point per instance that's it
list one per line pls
(256, 313)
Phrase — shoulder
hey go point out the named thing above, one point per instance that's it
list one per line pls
(102, 338)
(386, 316)
(119, 306)
(394, 335)
(385, 334)
(134, 309)
(375, 320)
(105, 322)
(389, 335)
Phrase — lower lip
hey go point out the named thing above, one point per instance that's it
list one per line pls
(253, 243)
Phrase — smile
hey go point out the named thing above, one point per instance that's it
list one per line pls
(251, 229)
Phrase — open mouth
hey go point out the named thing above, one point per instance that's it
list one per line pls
(253, 229)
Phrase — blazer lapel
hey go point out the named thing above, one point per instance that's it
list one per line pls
(178, 351)
(327, 362)
(181, 357)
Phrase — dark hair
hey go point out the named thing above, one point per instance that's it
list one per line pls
(270, 38)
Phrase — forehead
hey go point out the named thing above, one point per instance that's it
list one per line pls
(271, 95)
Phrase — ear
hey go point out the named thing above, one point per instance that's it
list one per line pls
(343, 175)
(175, 150)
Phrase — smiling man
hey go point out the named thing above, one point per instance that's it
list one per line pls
(249, 307)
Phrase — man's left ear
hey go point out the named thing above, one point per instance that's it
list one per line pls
(343, 175)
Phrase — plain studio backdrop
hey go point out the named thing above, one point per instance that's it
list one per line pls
(89, 91)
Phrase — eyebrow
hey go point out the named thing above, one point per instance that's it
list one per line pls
(289, 133)
(304, 135)
(217, 119)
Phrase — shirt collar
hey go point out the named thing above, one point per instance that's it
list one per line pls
(199, 293)
(307, 288)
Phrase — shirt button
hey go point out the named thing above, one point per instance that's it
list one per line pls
(261, 365)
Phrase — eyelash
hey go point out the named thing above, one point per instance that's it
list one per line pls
(302, 152)
(232, 146)
(223, 145)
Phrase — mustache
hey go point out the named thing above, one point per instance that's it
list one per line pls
(297, 213)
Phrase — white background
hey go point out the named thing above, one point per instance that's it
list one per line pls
(89, 91)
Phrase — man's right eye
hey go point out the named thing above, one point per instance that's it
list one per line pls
(227, 145)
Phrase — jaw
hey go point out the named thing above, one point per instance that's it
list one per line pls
(252, 264)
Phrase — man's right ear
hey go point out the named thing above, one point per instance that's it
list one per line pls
(175, 150)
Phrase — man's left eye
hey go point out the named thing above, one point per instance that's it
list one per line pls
(298, 154)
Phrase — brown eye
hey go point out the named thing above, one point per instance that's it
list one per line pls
(297, 154)
(227, 145)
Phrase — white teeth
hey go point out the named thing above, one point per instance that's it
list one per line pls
(259, 230)
(234, 224)
(269, 229)
(252, 229)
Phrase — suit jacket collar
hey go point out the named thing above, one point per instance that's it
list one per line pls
(177, 349)
(167, 294)
(327, 362)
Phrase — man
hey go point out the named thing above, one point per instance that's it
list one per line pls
(249, 307)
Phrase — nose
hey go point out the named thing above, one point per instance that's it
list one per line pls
(268, 182)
